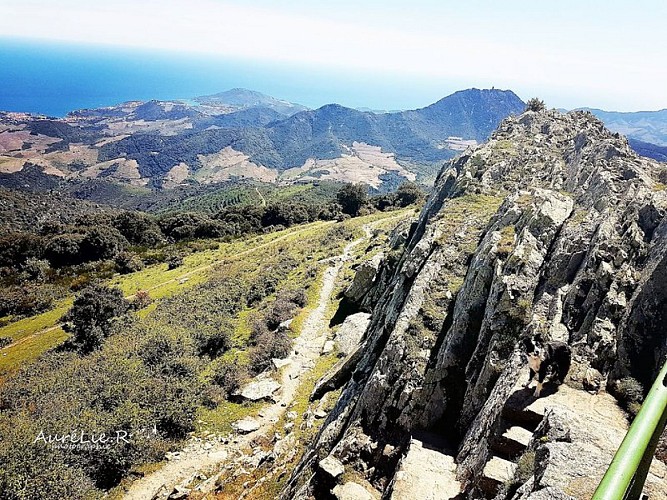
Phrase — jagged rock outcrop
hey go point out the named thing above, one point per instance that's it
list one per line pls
(553, 226)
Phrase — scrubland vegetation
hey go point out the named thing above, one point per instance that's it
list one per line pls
(43, 263)
(149, 368)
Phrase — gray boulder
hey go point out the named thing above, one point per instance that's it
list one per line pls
(259, 389)
(351, 332)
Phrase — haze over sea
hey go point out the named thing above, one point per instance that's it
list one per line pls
(55, 78)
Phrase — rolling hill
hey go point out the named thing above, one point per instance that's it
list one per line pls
(241, 134)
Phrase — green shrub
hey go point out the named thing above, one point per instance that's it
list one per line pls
(286, 215)
(408, 194)
(630, 394)
(127, 262)
(182, 226)
(280, 310)
(91, 316)
(174, 262)
(151, 257)
(64, 250)
(101, 243)
(213, 342)
(261, 289)
(31, 470)
(36, 269)
(17, 247)
(352, 197)
(139, 229)
(268, 346)
(27, 299)
(229, 376)
(107, 391)
(535, 104)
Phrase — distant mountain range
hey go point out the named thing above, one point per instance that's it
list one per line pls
(245, 134)
(645, 126)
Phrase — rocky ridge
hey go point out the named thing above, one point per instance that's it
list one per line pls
(554, 226)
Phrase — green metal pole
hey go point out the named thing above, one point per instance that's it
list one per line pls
(644, 466)
(618, 478)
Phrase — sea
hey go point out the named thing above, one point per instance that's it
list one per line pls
(53, 78)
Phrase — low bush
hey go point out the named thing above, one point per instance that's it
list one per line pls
(36, 269)
(535, 104)
(630, 394)
(213, 342)
(142, 299)
(229, 376)
(174, 262)
(127, 262)
(27, 299)
(268, 346)
(281, 310)
(91, 316)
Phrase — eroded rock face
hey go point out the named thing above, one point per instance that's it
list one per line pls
(554, 226)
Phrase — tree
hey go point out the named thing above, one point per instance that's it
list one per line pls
(92, 313)
(101, 243)
(64, 250)
(408, 193)
(17, 247)
(182, 226)
(535, 104)
(127, 262)
(174, 262)
(36, 269)
(352, 197)
(139, 229)
(26, 299)
(285, 214)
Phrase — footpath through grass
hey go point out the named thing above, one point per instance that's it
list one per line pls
(34, 335)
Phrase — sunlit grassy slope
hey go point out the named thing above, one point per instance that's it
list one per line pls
(35, 335)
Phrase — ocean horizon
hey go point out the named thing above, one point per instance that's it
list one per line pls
(55, 78)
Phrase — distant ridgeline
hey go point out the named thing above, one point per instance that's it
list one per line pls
(241, 134)
(245, 135)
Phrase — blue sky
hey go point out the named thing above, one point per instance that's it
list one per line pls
(388, 54)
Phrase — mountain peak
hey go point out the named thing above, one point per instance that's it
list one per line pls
(482, 95)
(571, 152)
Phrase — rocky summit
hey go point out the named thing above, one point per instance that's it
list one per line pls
(553, 226)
